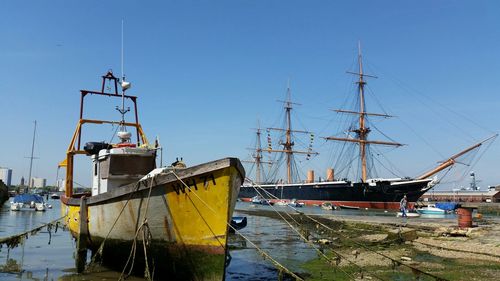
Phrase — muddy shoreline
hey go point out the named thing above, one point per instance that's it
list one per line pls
(389, 248)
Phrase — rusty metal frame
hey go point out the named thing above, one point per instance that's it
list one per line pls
(76, 139)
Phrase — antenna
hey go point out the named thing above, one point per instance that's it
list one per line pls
(123, 134)
(123, 75)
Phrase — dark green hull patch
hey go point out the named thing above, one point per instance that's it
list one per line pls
(168, 261)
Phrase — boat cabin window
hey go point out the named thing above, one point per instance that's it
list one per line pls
(132, 165)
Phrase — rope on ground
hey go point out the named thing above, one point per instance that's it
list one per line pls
(457, 250)
(266, 255)
(14, 240)
(339, 256)
(396, 262)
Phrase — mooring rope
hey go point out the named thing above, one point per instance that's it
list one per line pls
(273, 261)
(146, 239)
(99, 252)
(397, 262)
(14, 240)
(101, 247)
(329, 260)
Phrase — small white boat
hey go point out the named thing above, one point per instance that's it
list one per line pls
(294, 203)
(281, 203)
(55, 196)
(28, 202)
(328, 206)
(408, 214)
(431, 209)
(261, 201)
(256, 200)
(14, 206)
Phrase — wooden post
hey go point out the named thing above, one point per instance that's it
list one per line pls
(82, 238)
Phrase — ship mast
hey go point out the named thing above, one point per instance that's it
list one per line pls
(257, 156)
(289, 143)
(362, 131)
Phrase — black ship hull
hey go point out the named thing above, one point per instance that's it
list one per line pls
(379, 195)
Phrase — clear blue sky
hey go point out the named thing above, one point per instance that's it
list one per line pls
(206, 70)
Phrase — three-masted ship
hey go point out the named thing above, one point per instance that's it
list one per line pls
(368, 192)
(163, 221)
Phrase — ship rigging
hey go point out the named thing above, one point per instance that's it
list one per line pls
(284, 150)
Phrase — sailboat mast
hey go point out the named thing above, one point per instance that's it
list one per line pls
(31, 158)
(362, 132)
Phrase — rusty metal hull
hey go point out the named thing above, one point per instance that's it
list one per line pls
(187, 220)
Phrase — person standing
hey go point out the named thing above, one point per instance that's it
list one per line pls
(403, 206)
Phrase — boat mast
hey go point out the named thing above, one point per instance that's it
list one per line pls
(257, 156)
(289, 143)
(31, 160)
(363, 131)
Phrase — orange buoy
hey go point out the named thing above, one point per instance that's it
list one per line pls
(464, 217)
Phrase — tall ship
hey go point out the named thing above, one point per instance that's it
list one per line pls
(364, 192)
(167, 222)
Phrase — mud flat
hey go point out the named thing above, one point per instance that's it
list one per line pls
(373, 247)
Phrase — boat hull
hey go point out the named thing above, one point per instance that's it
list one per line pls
(188, 226)
(383, 195)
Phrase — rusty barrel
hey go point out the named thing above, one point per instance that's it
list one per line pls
(464, 217)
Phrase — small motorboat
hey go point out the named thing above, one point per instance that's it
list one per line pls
(328, 206)
(55, 196)
(294, 203)
(256, 200)
(260, 201)
(281, 203)
(27, 202)
(409, 214)
(431, 209)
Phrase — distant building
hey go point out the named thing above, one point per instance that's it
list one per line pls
(22, 181)
(38, 182)
(60, 184)
(490, 195)
(6, 176)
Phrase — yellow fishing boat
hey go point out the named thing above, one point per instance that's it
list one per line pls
(167, 221)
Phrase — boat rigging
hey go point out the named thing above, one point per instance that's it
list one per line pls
(257, 157)
(288, 144)
(362, 132)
